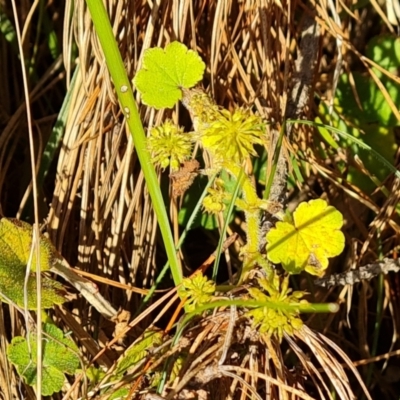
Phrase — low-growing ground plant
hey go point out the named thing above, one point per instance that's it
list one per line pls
(258, 306)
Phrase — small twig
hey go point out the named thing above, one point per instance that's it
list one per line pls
(367, 272)
(228, 336)
(88, 289)
(227, 243)
(303, 79)
(305, 68)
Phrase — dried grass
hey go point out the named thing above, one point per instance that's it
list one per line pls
(100, 216)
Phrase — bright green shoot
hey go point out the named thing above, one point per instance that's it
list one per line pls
(125, 96)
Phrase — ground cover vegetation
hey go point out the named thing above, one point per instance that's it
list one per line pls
(199, 200)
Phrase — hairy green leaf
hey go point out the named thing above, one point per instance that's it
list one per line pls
(15, 248)
(60, 355)
(139, 350)
(308, 241)
(165, 72)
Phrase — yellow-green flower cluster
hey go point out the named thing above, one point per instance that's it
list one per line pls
(231, 136)
(197, 290)
(169, 145)
(276, 321)
(214, 202)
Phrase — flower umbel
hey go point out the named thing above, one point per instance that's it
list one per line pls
(276, 321)
(198, 290)
(169, 145)
(232, 135)
(215, 200)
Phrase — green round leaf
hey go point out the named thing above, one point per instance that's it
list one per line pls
(385, 51)
(15, 248)
(165, 72)
(16, 243)
(59, 356)
(308, 242)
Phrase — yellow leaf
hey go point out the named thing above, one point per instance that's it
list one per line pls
(16, 245)
(15, 281)
(308, 242)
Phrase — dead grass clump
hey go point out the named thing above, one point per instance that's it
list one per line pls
(220, 356)
(273, 56)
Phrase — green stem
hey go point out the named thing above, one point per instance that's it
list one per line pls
(227, 217)
(124, 92)
(252, 213)
(253, 232)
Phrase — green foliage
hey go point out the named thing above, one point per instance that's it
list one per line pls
(94, 374)
(374, 109)
(198, 290)
(384, 51)
(308, 241)
(371, 118)
(151, 338)
(176, 367)
(259, 164)
(165, 72)
(16, 245)
(119, 394)
(15, 248)
(126, 99)
(383, 140)
(169, 145)
(276, 321)
(8, 31)
(60, 355)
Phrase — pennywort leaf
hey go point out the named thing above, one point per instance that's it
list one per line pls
(309, 240)
(165, 72)
(15, 248)
(16, 242)
(60, 355)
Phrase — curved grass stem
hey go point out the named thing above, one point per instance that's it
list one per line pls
(125, 96)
